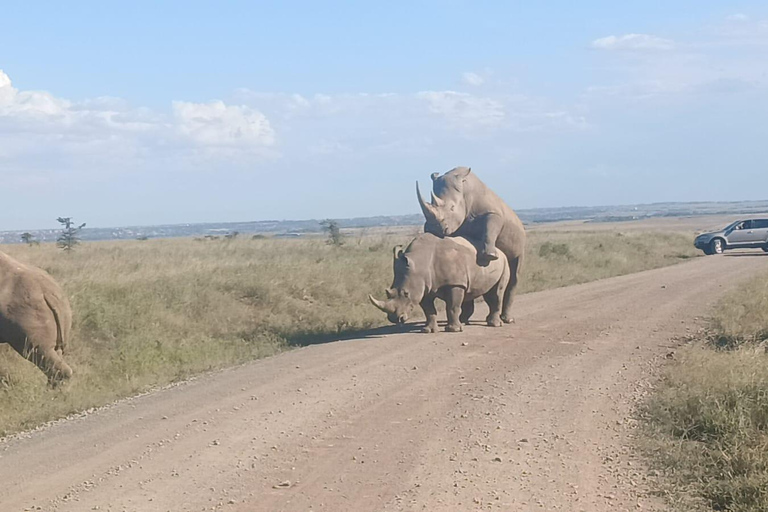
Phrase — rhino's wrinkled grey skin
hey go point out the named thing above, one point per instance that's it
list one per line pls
(35, 317)
(432, 267)
(462, 205)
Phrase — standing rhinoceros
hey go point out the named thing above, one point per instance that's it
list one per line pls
(462, 205)
(35, 317)
(432, 267)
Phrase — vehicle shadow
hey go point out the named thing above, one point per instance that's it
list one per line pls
(746, 254)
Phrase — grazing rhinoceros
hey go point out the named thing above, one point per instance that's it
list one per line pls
(35, 317)
(462, 205)
(432, 267)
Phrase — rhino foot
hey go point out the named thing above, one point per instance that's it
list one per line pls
(493, 321)
(485, 258)
(427, 329)
(490, 254)
(453, 328)
(507, 319)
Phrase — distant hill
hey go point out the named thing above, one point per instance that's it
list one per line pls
(302, 227)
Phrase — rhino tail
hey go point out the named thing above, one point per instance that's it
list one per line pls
(60, 335)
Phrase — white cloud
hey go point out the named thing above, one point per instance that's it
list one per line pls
(47, 139)
(28, 103)
(724, 59)
(739, 30)
(42, 133)
(638, 90)
(633, 42)
(409, 125)
(737, 17)
(472, 79)
(218, 124)
(464, 109)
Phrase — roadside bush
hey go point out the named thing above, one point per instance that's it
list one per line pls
(554, 249)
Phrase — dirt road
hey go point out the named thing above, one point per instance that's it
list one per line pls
(528, 417)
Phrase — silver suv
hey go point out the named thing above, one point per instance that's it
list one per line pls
(742, 234)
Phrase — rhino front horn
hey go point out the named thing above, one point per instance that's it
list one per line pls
(379, 304)
(426, 208)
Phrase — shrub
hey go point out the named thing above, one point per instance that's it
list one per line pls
(554, 249)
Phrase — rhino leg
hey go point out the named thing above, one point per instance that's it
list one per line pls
(494, 299)
(515, 269)
(453, 302)
(48, 360)
(491, 229)
(494, 305)
(428, 305)
(467, 310)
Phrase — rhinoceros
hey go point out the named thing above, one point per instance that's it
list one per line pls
(432, 267)
(464, 206)
(35, 317)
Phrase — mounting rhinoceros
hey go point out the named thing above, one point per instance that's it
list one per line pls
(432, 267)
(463, 206)
(35, 317)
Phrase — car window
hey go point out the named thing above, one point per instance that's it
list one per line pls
(747, 224)
(760, 224)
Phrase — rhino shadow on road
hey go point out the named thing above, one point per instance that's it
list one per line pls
(305, 340)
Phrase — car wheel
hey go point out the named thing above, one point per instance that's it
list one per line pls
(765, 249)
(717, 246)
(708, 251)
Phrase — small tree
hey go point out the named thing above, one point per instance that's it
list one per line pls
(335, 237)
(29, 239)
(69, 236)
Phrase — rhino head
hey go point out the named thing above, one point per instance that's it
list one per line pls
(448, 209)
(406, 291)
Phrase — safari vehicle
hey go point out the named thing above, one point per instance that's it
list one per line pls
(742, 234)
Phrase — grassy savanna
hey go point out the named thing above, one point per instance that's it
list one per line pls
(148, 313)
(708, 421)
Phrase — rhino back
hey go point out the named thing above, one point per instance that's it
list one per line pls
(483, 201)
(23, 292)
(454, 263)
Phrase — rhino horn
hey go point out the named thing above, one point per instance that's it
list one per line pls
(380, 304)
(426, 208)
(436, 200)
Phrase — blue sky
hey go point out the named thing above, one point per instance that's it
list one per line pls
(144, 113)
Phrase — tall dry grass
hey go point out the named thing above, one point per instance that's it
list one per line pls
(148, 313)
(708, 420)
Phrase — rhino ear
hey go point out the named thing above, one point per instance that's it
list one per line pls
(434, 176)
(463, 173)
(397, 251)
